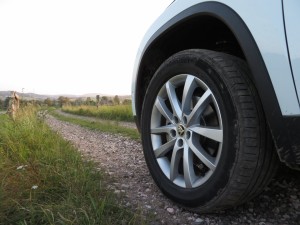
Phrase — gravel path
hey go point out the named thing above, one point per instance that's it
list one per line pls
(122, 159)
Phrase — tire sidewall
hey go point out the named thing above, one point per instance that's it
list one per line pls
(212, 75)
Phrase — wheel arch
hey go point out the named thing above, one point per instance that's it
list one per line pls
(213, 26)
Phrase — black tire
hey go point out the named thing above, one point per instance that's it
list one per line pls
(236, 161)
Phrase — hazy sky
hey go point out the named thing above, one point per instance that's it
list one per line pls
(72, 46)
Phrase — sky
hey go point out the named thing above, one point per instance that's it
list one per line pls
(72, 46)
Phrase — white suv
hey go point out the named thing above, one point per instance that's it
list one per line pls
(215, 95)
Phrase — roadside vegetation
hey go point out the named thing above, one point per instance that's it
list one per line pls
(104, 126)
(44, 179)
(107, 112)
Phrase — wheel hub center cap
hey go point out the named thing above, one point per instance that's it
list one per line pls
(180, 129)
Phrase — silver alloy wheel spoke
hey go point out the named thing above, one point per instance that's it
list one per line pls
(199, 107)
(176, 156)
(189, 174)
(176, 107)
(163, 109)
(186, 131)
(164, 149)
(211, 133)
(163, 129)
(189, 87)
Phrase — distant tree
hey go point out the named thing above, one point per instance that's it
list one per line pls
(79, 101)
(63, 100)
(6, 102)
(116, 100)
(60, 100)
(89, 101)
(97, 100)
(127, 102)
(104, 100)
(48, 102)
(1, 104)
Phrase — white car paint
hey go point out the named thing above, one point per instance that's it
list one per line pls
(292, 20)
(265, 21)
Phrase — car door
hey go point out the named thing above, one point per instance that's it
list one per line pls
(291, 9)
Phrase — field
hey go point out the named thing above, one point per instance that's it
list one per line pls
(104, 125)
(116, 112)
(44, 180)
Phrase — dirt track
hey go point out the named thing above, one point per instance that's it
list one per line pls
(123, 160)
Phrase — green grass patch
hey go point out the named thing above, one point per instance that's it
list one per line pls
(116, 112)
(45, 181)
(104, 126)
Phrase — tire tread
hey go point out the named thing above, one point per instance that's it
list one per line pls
(257, 161)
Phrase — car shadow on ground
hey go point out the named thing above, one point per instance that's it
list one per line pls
(279, 203)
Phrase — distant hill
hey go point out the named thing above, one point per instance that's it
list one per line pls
(4, 94)
(29, 96)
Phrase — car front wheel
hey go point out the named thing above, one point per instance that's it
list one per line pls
(204, 135)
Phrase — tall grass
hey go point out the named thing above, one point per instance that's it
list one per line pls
(116, 112)
(45, 181)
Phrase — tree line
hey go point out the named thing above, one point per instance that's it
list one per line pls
(62, 100)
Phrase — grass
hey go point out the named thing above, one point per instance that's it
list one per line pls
(116, 112)
(104, 126)
(45, 181)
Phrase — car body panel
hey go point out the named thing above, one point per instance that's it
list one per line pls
(292, 18)
(267, 29)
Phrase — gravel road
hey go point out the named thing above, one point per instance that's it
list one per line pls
(122, 159)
